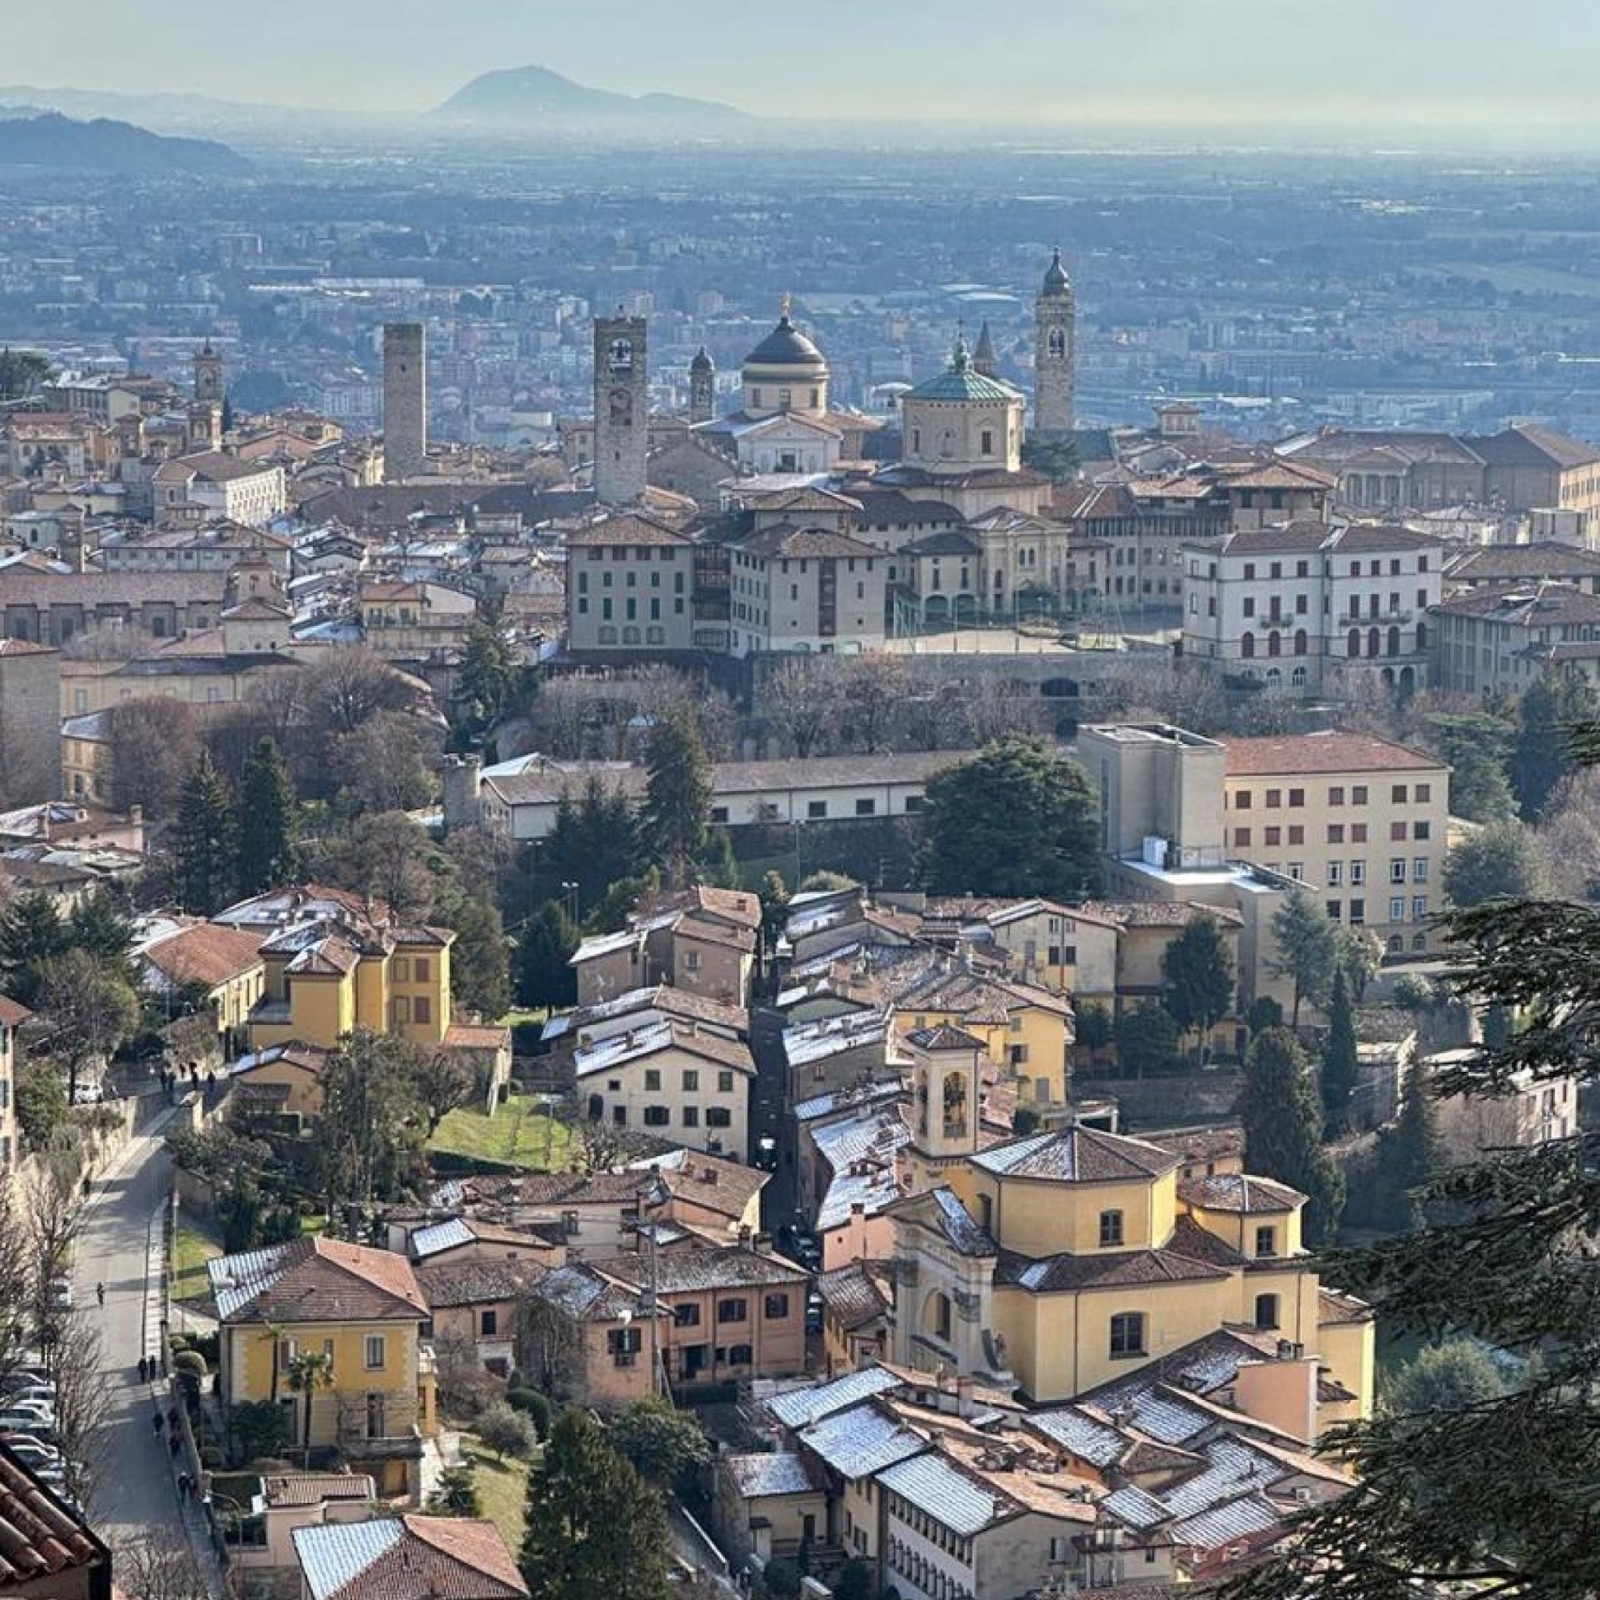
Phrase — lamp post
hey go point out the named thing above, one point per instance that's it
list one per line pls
(569, 900)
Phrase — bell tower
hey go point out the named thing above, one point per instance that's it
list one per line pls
(702, 387)
(1055, 317)
(621, 410)
(946, 1089)
(207, 376)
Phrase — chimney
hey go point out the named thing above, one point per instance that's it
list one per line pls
(965, 1405)
(744, 1236)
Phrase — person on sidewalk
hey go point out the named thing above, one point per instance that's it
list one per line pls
(144, 1369)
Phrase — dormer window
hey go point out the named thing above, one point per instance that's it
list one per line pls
(1266, 1240)
(1110, 1229)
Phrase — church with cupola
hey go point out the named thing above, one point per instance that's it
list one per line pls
(958, 528)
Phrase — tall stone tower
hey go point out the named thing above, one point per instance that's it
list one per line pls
(1055, 315)
(985, 361)
(702, 387)
(208, 389)
(946, 1086)
(621, 410)
(405, 400)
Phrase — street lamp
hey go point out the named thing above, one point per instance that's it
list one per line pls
(569, 899)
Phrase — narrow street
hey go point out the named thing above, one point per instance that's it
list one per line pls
(134, 1486)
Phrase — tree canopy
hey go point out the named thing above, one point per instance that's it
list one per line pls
(1558, 702)
(1283, 1129)
(593, 1527)
(267, 857)
(1198, 974)
(1477, 746)
(1340, 1060)
(1501, 861)
(1017, 819)
(204, 848)
(677, 801)
(1308, 949)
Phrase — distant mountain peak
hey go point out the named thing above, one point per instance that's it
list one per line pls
(33, 138)
(536, 94)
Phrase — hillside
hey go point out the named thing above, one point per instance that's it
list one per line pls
(536, 95)
(48, 139)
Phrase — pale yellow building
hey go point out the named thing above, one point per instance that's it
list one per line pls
(360, 1308)
(1362, 820)
(1060, 1261)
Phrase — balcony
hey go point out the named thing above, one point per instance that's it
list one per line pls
(1389, 619)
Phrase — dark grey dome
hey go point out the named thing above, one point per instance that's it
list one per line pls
(701, 362)
(785, 346)
(1055, 278)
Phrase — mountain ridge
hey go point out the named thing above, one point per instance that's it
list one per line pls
(537, 94)
(32, 137)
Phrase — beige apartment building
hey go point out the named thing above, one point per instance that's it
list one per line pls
(630, 584)
(1362, 820)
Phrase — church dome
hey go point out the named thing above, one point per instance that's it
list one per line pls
(701, 362)
(961, 381)
(786, 346)
(1055, 277)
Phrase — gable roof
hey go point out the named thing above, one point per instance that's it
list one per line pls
(1327, 751)
(316, 1280)
(207, 953)
(408, 1558)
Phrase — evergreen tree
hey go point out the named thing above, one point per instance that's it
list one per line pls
(593, 1526)
(204, 844)
(1478, 1494)
(718, 865)
(1409, 1154)
(1283, 1129)
(677, 802)
(774, 908)
(1477, 747)
(1339, 1058)
(1017, 819)
(96, 926)
(268, 858)
(1308, 949)
(480, 958)
(1198, 977)
(31, 935)
(593, 843)
(485, 679)
(1558, 702)
(543, 976)
(1147, 1041)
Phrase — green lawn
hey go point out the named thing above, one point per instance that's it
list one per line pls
(502, 1489)
(519, 1133)
(192, 1247)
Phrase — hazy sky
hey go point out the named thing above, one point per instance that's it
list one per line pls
(1047, 60)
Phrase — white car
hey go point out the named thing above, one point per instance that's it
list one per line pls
(33, 1394)
(27, 1422)
(32, 1452)
(41, 1410)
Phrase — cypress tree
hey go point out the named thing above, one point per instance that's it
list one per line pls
(1339, 1058)
(204, 844)
(267, 855)
(677, 803)
(1283, 1129)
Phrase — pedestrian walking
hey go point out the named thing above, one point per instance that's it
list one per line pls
(144, 1369)
(100, 1294)
(157, 1423)
(174, 1444)
(183, 1485)
(163, 1360)
(172, 1418)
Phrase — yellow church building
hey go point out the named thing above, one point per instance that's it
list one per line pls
(1058, 1262)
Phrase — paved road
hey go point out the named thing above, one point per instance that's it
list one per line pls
(135, 1481)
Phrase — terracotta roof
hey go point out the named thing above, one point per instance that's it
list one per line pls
(207, 953)
(769, 543)
(470, 1283)
(1199, 1144)
(1125, 1269)
(725, 1187)
(1332, 1307)
(40, 1539)
(312, 1488)
(13, 1015)
(626, 530)
(408, 1558)
(476, 1036)
(316, 1280)
(1524, 444)
(854, 1295)
(1330, 752)
(688, 1271)
(24, 647)
(1366, 536)
(1515, 563)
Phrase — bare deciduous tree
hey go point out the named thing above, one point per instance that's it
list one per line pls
(159, 1565)
(153, 745)
(800, 701)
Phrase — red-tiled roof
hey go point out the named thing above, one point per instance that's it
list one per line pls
(1333, 752)
(327, 1280)
(40, 1539)
(207, 953)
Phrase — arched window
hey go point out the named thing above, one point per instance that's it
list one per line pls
(1396, 944)
(1374, 641)
(1247, 646)
(1353, 644)
(1422, 636)
(1297, 678)
(1056, 342)
(1394, 641)
(1300, 641)
(1274, 643)
(1274, 678)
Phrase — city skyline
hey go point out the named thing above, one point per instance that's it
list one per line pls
(1112, 62)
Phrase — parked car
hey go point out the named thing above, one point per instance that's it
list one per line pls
(60, 1294)
(26, 1378)
(26, 1422)
(37, 1393)
(30, 1451)
(44, 1410)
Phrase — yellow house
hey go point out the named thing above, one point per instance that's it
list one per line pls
(1060, 1261)
(1025, 1030)
(284, 1080)
(225, 962)
(335, 972)
(360, 1308)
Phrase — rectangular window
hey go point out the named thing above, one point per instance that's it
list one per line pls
(866, 808)
(1397, 794)
(1241, 838)
(691, 1080)
(718, 1117)
(1273, 836)
(1127, 1335)
(1334, 907)
(1110, 1229)
(776, 1307)
(1274, 799)
(1419, 870)
(1335, 833)
(1421, 830)
(691, 1116)
(733, 1310)
(1419, 908)
(421, 970)
(1397, 908)
(1358, 872)
(657, 1116)
(652, 1077)
(400, 969)
(1336, 795)
(816, 809)
(1297, 834)
(489, 1324)
(1397, 833)
(725, 1081)
(1358, 913)
(1358, 795)
(1358, 833)
(1241, 801)
(1335, 874)
(422, 1010)
(1297, 797)
(1397, 870)
(687, 1316)
(1266, 1311)
(1423, 794)
(1266, 1240)
(375, 1352)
